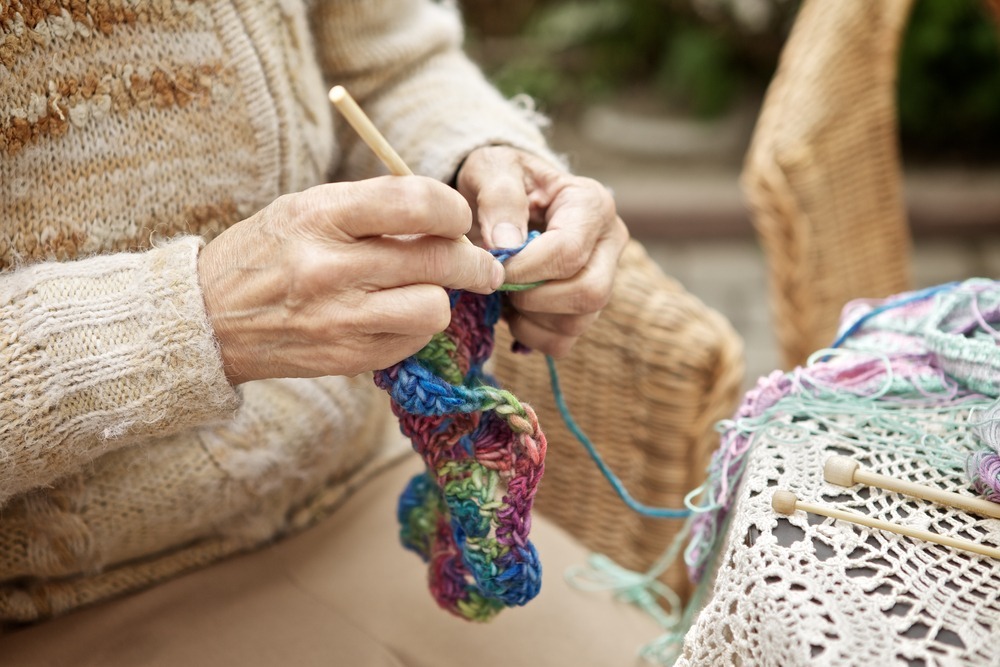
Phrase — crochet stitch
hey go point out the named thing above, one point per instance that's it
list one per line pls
(934, 349)
(469, 514)
(911, 378)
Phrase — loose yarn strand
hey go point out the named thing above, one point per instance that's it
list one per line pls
(644, 590)
(616, 484)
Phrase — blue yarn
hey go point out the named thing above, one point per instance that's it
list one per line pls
(616, 484)
(518, 583)
(419, 491)
(503, 254)
(889, 305)
(419, 391)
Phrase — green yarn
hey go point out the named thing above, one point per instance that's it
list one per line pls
(479, 608)
(439, 355)
(519, 287)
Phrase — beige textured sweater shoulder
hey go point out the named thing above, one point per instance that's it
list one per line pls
(131, 132)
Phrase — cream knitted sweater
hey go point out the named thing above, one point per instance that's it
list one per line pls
(132, 131)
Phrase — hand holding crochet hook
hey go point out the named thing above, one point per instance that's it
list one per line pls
(509, 190)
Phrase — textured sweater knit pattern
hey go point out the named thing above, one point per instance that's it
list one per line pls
(131, 133)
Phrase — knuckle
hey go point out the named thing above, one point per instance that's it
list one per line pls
(287, 209)
(591, 185)
(409, 198)
(560, 346)
(573, 326)
(306, 274)
(591, 298)
(572, 256)
(436, 309)
(434, 262)
(600, 200)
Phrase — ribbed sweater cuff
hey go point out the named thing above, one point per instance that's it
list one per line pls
(98, 352)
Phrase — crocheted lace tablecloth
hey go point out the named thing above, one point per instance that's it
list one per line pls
(808, 590)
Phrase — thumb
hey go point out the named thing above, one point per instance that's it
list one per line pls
(493, 183)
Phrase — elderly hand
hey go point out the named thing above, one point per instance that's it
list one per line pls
(341, 278)
(576, 256)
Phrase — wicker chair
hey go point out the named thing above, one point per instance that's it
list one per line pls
(823, 176)
(646, 384)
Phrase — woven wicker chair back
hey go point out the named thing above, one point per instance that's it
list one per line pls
(822, 176)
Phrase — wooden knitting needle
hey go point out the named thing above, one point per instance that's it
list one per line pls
(785, 502)
(844, 471)
(369, 134)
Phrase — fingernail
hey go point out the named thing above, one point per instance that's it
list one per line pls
(506, 235)
(499, 276)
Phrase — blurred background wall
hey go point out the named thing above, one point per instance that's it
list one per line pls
(658, 98)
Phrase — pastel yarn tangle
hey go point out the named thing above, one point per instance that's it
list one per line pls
(468, 515)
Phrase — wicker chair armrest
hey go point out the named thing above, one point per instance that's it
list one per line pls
(646, 384)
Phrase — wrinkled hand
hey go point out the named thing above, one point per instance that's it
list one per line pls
(577, 255)
(341, 278)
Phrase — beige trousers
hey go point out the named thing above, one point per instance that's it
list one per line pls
(343, 593)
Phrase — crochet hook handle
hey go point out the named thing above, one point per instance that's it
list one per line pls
(369, 134)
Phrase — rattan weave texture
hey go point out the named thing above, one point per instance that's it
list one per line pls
(646, 384)
(823, 176)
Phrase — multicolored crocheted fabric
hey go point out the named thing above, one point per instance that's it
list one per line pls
(469, 514)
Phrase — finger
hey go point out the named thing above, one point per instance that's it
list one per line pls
(538, 338)
(587, 291)
(355, 356)
(389, 349)
(387, 205)
(414, 310)
(493, 181)
(579, 216)
(430, 260)
(572, 326)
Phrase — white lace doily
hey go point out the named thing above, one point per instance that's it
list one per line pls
(808, 590)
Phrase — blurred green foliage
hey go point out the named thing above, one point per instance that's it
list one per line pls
(572, 53)
(949, 82)
(576, 52)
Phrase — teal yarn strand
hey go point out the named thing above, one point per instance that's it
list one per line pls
(616, 484)
(899, 302)
(643, 590)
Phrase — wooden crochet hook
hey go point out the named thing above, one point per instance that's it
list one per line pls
(785, 502)
(369, 134)
(844, 471)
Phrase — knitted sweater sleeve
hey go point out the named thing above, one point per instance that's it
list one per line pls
(403, 61)
(97, 353)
